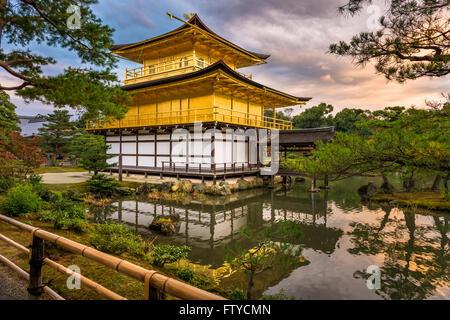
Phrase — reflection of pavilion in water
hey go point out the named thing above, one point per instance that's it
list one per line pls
(206, 226)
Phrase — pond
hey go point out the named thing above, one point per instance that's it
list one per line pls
(342, 237)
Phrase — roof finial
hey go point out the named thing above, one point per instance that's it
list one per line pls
(188, 16)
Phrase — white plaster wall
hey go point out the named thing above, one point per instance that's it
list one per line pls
(225, 151)
(115, 148)
(129, 148)
(128, 138)
(146, 161)
(146, 137)
(146, 147)
(163, 147)
(129, 161)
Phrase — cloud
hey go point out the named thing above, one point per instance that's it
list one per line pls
(296, 34)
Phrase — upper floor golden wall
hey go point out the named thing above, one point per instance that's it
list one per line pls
(174, 64)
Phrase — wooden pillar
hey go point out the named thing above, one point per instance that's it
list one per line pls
(35, 287)
(170, 143)
(120, 167)
(257, 149)
(274, 116)
(137, 148)
(120, 157)
(232, 147)
(150, 292)
(213, 153)
(156, 149)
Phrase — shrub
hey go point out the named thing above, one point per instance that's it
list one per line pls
(65, 214)
(74, 195)
(186, 274)
(43, 192)
(6, 183)
(102, 185)
(237, 294)
(117, 239)
(34, 179)
(167, 253)
(21, 200)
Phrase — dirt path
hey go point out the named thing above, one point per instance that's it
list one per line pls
(65, 177)
(12, 287)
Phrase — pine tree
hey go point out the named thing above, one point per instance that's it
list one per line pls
(93, 88)
(8, 117)
(57, 132)
(412, 41)
(91, 150)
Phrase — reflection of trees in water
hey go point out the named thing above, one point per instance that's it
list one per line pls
(102, 214)
(415, 256)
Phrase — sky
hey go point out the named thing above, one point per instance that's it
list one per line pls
(296, 33)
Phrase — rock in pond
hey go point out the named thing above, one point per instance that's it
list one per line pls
(166, 225)
(368, 190)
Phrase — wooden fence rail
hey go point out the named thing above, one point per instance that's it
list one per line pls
(156, 284)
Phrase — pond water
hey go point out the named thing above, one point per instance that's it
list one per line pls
(342, 238)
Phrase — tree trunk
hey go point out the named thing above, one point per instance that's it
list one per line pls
(437, 182)
(2, 20)
(250, 287)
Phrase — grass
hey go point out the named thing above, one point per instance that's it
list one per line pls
(81, 187)
(41, 170)
(430, 200)
(111, 279)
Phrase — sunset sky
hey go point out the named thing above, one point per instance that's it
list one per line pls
(296, 33)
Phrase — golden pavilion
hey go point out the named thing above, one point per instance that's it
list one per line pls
(189, 75)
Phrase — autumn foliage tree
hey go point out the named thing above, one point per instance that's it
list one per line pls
(20, 155)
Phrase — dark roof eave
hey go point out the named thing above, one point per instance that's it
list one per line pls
(215, 66)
